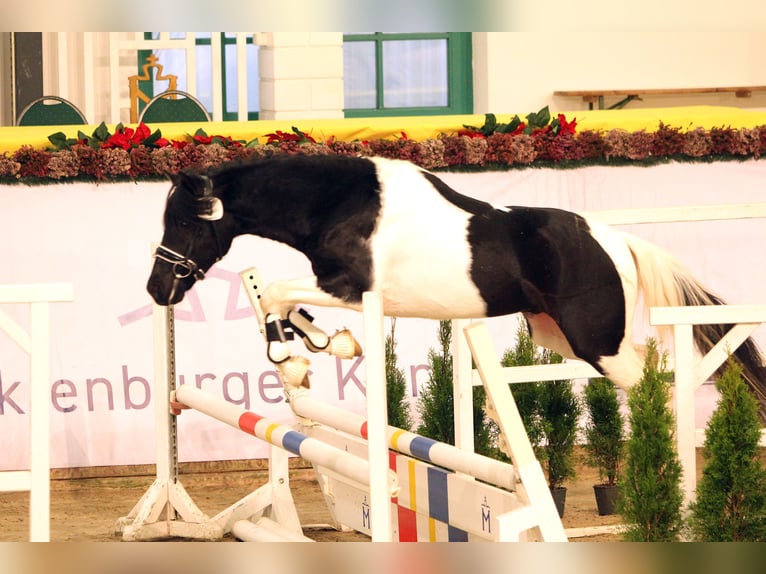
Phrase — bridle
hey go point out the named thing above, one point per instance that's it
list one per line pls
(184, 266)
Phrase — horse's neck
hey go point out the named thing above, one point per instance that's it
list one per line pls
(273, 219)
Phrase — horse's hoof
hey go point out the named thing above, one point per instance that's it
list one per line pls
(294, 372)
(344, 346)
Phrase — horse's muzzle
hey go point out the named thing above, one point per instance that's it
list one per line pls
(168, 291)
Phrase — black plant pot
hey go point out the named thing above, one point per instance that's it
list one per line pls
(559, 494)
(606, 498)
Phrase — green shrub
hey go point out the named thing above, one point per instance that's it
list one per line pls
(436, 404)
(560, 411)
(396, 386)
(605, 429)
(731, 495)
(549, 410)
(650, 488)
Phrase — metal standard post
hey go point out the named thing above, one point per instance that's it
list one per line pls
(166, 436)
(166, 510)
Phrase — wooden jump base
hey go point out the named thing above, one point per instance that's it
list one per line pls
(36, 343)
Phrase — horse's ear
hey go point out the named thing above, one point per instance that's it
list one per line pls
(214, 209)
(213, 204)
(173, 177)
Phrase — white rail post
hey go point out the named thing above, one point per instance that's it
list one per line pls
(684, 407)
(527, 466)
(691, 372)
(377, 417)
(36, 343)
(462, 386)
(39, 423)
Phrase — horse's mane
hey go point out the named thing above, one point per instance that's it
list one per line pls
(183, 201)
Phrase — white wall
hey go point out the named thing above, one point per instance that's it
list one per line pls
(301, 75)
(517, 72)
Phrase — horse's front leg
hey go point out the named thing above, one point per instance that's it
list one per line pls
(282, 297)
(293, 370)
(278, 302)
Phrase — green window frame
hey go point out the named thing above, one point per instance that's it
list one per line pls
(148, 88)
(459, 75)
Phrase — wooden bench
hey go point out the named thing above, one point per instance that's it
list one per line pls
(597, 96)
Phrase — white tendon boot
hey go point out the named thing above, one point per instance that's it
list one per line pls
(344, 346)
(294, 372)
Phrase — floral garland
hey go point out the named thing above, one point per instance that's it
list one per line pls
(139, 153)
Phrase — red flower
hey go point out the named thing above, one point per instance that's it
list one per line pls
(283, 137)
(125, 137)
(280, 136)
(203, 139)
(142, 132)
(470, 133)
(566, 127)
(161, 142)
(520, 129)
(119, 139)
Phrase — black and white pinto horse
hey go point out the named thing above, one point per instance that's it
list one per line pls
(391, 227)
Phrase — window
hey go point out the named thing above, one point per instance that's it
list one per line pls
(407, 74)
(174, 62)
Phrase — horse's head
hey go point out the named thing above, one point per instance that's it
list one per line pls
(197, 234)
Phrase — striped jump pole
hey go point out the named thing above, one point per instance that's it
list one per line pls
(438, 453)
(281, 435)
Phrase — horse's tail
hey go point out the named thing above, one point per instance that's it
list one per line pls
(665, 282)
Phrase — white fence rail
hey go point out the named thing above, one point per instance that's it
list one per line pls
(36, 343)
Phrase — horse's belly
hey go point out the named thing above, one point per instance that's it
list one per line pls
(432, 296)
(422, 257)
(430, 277)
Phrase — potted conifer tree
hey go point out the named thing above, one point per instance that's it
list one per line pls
(560, 411)
(605, 437)
(549, 410)
(731, 495)
(650, 488)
